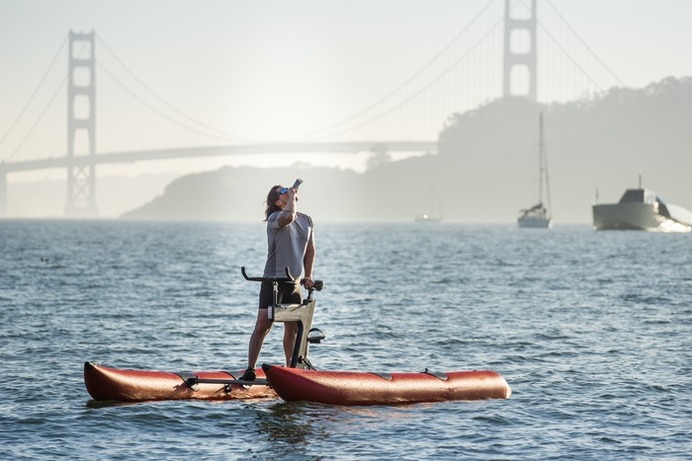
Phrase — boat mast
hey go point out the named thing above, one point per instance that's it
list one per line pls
(543, 160)
(540, 158)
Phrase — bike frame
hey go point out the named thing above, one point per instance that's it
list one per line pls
(300, 313)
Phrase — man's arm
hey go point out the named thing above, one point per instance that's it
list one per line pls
(308, 262)
(288, 214)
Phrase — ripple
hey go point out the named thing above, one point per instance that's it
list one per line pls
(597, 357)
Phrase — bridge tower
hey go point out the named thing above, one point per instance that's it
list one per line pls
(521, 32)
(81, 127)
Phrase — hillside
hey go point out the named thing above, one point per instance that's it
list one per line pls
(486, 168)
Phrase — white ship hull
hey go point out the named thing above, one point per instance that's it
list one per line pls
(635, 216)
(538, 222)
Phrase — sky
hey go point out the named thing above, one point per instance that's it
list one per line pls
(278, 68)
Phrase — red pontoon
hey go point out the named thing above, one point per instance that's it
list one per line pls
(105, 383)
(361, 388)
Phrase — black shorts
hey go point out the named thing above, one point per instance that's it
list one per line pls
(288, 293)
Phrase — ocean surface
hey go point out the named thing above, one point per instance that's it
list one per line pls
(592, 330)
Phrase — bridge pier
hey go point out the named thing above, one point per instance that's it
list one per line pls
(81, 183)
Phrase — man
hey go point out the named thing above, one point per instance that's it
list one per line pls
(291, 243)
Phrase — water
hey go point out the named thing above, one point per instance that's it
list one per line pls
(590, 329)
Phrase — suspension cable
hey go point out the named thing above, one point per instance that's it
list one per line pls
(586, 45)
(217, 132)
(424, 88)
(40, 83)
(401, 86)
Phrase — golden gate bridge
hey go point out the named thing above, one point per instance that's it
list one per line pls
(496, 54)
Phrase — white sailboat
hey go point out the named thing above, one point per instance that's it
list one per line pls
(434, 213)
(538, 216)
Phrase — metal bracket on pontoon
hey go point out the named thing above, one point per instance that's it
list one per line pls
(300, 313)
(194, 380)
(437, 374)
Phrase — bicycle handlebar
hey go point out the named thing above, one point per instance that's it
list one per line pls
(288, 278)
(317, 284)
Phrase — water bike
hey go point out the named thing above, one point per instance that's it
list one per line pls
(299, 381)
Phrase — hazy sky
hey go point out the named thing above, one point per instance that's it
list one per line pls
(246, 66)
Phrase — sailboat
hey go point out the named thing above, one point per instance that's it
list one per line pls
(538, 216)
(434, 215)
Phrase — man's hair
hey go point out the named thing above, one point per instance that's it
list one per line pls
(272, 197)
